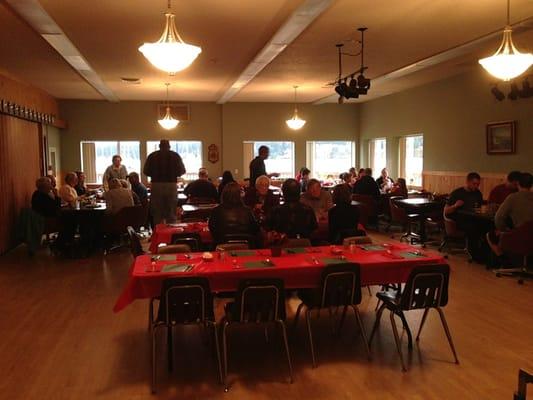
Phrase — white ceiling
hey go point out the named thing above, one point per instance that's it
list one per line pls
(231, 33)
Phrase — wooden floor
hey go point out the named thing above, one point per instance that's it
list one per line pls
(61, 340)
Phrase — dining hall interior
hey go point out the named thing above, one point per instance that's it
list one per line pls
(263, 200)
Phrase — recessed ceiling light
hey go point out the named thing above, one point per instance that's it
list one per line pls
(131, 81)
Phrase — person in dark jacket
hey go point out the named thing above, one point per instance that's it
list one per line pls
(44, 201)
(343, 217)
(138, 187)
(261, 199)
(292, 218)
(227, 177)
(232, 216)
(202, 188)
(367, 185)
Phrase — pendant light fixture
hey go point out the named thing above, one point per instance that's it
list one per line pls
(295, 122)
(168, 122)
(507, 63)
(170, 53)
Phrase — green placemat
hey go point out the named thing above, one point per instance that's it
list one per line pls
(296, 250)
(167, 257)
(372, 247)
(258, 264)
(331, 260)
(242, 253)
(410, 254)
(176, 268)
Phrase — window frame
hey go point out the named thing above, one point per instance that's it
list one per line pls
(371, 152)
(402, 160)
(249, 147)
(191, 174)
(310, 155)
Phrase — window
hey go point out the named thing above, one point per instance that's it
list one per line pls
(327, 160)
(280, 160)
(412, 159)
(190, 152)
(96, 156)
(377, 155)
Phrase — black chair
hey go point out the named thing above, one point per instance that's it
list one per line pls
(245, 238)
(184, 301)
(191, 239)
(523, 379)
(258, 301)
(135, 242)
(340, 287)
(426, 288)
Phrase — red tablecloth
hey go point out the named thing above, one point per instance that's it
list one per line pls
(163, 233)
(297, 270)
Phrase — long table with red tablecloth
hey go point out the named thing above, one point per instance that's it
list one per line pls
(299, 268)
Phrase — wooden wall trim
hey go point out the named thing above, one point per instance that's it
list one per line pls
(447, 181)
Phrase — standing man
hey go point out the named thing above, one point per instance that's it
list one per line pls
(257, 165)
(115, 170)
(164, 167)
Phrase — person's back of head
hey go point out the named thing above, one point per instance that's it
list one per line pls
(114, 184)
(71, 178)
(231, 195)
(342, 194)
(513, 178)
(203, 174)
(43, 184)
(123, 183)
(227, 177)
(291, 191)
(368, 172)
(164, 145)
(526, 181)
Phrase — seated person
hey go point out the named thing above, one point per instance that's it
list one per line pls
(81, 188)
(366, 185)
(399, 188)
(260, 198)
(44, 201)
(227, 177)
(384, 182)
(292, 218)
(138, 188)
(117, 197)
(343, 216)
(304, 179)
(67, 192)
(316, 198)
(500, 192)
(232, 216)
(202, 188)
(468, 198)
(348, 179)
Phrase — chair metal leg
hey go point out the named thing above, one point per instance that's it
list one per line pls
(297, 316)
(150, 313)
(287, 352)
(376, 324)
(153, 332)
(341, 321)
(448, 334)
(310, 334)
(422, 323)
(397, 339)
(406, 327)
(217, 349)
(225, 355)
(266, 334)
(369, 290)
(362, 330)
(170, 346)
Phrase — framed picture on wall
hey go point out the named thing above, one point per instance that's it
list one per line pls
(501, 137)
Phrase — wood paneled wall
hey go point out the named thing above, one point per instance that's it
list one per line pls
(20, 166)
(447, 181)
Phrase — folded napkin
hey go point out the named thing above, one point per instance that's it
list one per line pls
(412, 254)
(242, 253)
(372, 247)
(176, 268)
(295, 250)
(331, 260)
(258, 264)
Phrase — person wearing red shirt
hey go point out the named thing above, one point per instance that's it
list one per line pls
(500, 192)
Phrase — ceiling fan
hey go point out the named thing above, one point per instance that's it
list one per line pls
(350, 86)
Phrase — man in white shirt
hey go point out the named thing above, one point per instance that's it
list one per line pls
(67, 192)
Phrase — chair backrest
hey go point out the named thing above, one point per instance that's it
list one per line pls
(519, 240)
(450, 227)
(135, 242)
(427, 286)
(356, 240)
(127, 216)
(260, 300)
(397, 213)
(295, 242)
(341, 285)
(241, 238)
(185, 301)
(190, 239)
(173, 249)
(369, 203)
(232, 246)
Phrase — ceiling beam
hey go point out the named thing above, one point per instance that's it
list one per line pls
(298, 21)
(36, 16)
(465, 48)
